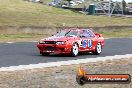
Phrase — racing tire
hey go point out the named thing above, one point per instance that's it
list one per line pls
(45, 54)
(74, 50)
(98, 49)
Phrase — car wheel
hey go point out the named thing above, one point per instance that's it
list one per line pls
(45, 54)
(74, 50)
(98, 49)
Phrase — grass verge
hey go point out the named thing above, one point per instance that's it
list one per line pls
(20, 37)
(117, 33)
(36, 37)
(23, 13)
(15, 36)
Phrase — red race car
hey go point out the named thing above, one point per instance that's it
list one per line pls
(72, 41)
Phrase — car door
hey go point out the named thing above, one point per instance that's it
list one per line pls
(91, 39)
(87, 40)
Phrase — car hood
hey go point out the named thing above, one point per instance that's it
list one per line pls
(59, 38)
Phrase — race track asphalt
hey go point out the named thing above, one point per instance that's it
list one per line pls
(24, 53)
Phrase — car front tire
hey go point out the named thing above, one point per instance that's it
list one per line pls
(74, 50)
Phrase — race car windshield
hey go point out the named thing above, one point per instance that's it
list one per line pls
(72, 33)
(61, 33)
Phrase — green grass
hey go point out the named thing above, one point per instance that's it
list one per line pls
(14, 36)
(46, 1)
(106, 34)
(23, 13)
(117, 33)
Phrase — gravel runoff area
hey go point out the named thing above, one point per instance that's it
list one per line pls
(65, 76)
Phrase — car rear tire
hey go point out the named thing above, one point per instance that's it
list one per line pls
(98, 49)
(74, 50)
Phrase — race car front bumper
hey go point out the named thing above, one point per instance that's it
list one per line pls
(53, 48)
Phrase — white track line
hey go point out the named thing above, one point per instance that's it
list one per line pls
(60, 63)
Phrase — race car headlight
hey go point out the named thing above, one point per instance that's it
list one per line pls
(60, 43)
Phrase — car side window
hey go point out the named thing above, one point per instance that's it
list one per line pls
(72, 33)
(89, 33)
(85, 34)
(82, 34)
